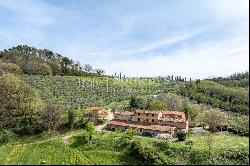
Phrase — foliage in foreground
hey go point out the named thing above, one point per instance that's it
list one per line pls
(127, 148)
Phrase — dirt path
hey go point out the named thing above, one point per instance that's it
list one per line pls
(102, 127)
(64, 138)
(67, 137)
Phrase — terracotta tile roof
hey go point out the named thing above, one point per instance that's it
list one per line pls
(96, 109)
(172, 113)
(147, 111)
(163, 112)
(137, 125)
(124, 113)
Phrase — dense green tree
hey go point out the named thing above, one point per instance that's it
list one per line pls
(156, 105)
(51, 118)
(234, 80)
(214, 118)
(138, 103)
(173, 102)
(239, 124)
(71, 118)
(88, 68)
(44, 62)
(10, 68)
(99, 71)
(17, 99)
(232, 99)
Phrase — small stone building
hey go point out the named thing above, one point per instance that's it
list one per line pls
(123, 116)
(141, 129)
(174, 118)
(146, 116)
(96, 113)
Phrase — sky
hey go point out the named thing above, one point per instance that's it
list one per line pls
(189, 38)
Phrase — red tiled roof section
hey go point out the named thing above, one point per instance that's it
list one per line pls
(173, 113)
(147, 111)
(149, 127)
(124, 113)
(96, 109)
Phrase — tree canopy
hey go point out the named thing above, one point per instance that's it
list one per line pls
(232, 99)
(30, 60)
(17, 99)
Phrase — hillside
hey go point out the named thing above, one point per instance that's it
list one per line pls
(38, 102)
(116, 148)
(94, 91)
(218, 94)
(30, 60)
(234, 80)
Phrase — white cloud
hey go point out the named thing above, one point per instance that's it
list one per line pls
(229, 9)
(26, 21)
(159, 44)
(104, 45)
(201, 61)
(35, 13)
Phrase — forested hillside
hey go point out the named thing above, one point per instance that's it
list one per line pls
(237, 79)
(30, 60)
(225, 93)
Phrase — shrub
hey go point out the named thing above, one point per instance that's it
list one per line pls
(6, 136)
(147, 134)
(27, 126)
(238, 156)
(181, 136)
(148, 153)
(101, 121)
(79, 140)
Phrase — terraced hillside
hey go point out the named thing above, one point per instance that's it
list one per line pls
(94, 91)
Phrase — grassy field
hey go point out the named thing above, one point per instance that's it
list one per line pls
(102, 149)
(53, 152)
(221, 140)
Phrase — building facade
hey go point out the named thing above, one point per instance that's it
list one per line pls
(96, 113)
(152, 122)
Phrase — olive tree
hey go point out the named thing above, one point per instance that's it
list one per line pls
(213, 118)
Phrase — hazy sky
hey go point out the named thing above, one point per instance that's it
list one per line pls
(193, 38)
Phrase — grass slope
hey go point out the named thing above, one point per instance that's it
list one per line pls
(103, 150)
(53, 152)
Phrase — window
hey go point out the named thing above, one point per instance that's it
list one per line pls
(153, 120)
(138, 113)
(138, 119)
(147, 120)
(153, 115)
(146, 114)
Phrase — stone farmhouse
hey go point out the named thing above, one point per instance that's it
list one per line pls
(150, 122)
(96, 113)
